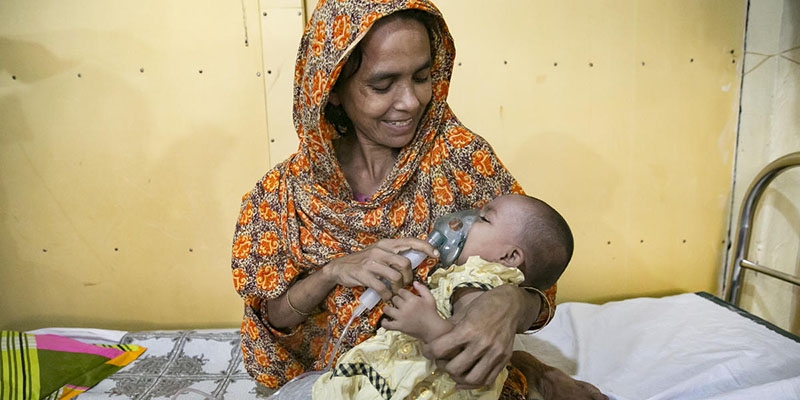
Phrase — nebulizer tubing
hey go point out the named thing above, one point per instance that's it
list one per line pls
(448, 236)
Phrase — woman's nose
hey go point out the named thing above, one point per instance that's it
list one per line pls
(407, 98)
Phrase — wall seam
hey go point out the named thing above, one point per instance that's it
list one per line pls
(733, 214)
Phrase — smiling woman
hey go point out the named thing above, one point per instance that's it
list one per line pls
(381, 156)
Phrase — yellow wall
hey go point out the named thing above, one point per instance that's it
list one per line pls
(131, 180)
(122, 165)
(623, 115)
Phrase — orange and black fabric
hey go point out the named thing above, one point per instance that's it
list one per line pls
(302, 213)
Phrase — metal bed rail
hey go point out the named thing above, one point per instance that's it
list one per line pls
(735, 274)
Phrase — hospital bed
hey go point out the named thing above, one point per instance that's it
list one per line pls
(687, 346)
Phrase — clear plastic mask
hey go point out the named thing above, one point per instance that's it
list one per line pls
(450, 233)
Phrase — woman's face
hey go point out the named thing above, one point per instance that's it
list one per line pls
(386, 97)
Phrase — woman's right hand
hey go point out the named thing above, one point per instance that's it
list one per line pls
(378, 263)
(365, 268)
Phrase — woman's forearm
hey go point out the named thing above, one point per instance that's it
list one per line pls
(301, 299)
(532, 305)
(519, 306)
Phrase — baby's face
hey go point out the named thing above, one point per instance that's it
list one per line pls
(495, 230)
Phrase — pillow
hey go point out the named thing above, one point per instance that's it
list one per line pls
(34, 366)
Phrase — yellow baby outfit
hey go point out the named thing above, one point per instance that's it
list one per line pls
(391, 366)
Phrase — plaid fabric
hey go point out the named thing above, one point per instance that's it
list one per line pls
(374, 377)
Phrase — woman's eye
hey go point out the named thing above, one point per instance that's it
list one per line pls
(422, 79)
(381, 89)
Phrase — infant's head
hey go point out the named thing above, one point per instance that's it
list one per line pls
(522, 232)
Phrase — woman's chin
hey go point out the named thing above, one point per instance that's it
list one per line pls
(400, 141)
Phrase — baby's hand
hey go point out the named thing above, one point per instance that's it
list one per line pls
(412, 314)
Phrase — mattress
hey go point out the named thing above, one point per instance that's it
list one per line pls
(688, 346)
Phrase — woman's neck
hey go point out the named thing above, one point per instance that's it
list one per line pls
(365, 165)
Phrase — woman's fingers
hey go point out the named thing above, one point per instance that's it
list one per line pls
(378, 284)
(380, 266)
(484, 371)
(400, 263)
(398, 246)
(399, 273)
(391, 266)
(380, 277)
(406, 273)
(471, 372)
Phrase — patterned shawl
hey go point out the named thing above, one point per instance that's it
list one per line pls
(302, 213)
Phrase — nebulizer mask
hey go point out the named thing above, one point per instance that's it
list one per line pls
(448, 235)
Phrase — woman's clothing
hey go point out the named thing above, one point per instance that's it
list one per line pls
(302, 214)
(390, 365)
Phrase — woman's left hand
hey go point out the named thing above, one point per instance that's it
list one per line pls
(482, 341)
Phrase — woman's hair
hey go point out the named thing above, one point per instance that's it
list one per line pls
(336, 114)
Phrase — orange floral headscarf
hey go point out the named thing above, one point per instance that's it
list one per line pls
(302, 213)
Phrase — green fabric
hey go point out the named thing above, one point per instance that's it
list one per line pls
(67, 368)
(19, 367)
(56, 367)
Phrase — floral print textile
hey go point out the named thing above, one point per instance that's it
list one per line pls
(302, 213)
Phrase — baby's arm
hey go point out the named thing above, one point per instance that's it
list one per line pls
(416, 315)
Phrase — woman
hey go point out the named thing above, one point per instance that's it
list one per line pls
(381, 156)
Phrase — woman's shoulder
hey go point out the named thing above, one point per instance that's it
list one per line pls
(269, 182)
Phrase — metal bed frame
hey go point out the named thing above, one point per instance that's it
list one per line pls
(735, 275)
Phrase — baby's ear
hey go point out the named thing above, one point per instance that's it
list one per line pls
(513, 257)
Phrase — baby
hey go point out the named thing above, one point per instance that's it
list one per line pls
(518, 240)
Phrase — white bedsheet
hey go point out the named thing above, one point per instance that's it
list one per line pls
(677, 347)
(85, 335)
